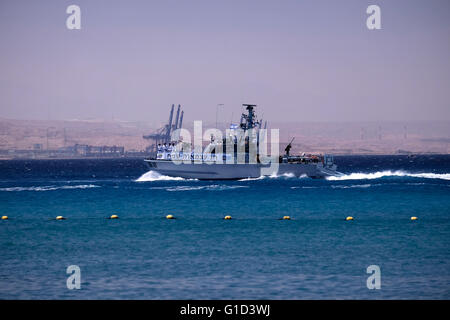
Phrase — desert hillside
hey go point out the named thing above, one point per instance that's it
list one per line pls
(337, 138)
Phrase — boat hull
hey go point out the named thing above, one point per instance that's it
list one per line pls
(204, 171)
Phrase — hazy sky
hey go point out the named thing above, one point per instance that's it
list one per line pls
(298, 60)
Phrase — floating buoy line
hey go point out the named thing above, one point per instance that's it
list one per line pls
(172, 217)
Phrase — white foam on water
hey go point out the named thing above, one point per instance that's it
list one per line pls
(223, 187)
(306, 187)
(284, 175)
(49, 188)
(275, 176)
(352, 186)
(155, 176)
(443, 176)
(253, 179)
(184, 188)
(388, 173)
(213, 187)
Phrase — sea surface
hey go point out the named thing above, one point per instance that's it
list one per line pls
(199, 255)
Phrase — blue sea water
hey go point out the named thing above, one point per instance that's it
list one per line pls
(315, 255)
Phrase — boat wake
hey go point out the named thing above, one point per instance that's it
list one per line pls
(353, 186)
(338, 186)
(275, 176)
(253, 179)
(49, 188)
(388, 173)
(155, 176)
(213, 187)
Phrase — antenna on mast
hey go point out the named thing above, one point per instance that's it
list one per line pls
(250, 117)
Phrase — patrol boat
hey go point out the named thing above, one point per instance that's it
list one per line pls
(237, 156)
